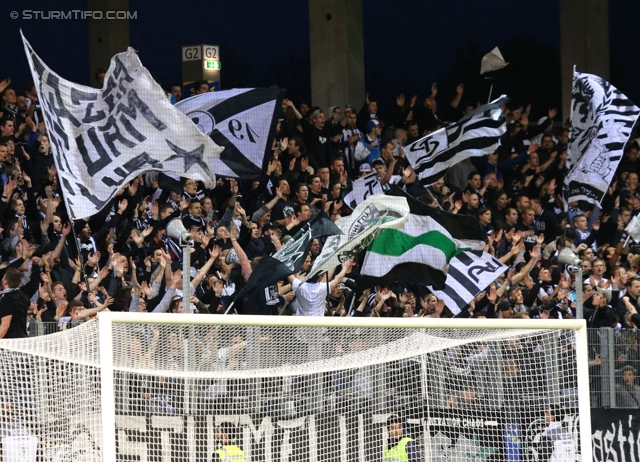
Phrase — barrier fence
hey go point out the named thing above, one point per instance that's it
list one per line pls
(611, 351)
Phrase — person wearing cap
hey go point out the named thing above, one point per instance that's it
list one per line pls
(399, 448)
(601, 314)
(227, 451)
(364, 169)
(385, 173)
(368, 149)
(556, 443)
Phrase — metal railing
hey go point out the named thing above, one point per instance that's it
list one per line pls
(611, 352)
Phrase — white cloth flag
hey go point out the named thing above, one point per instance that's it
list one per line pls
(103, 138)
(363, 188)
(492, 61)
(359, 229)
(633, 228)
(469, 274)
(476, 134)
(240, 121)
(602, 121)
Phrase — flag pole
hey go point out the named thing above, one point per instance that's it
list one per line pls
(438, 203)
(230, 306)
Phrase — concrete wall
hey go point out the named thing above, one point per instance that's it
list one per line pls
(584, 42)
(106, 36)
(337, 53)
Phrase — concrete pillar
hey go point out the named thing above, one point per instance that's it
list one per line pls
(106, 36)
(584, 42)
(337, 53)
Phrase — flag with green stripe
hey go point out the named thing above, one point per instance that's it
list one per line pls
(421, 250)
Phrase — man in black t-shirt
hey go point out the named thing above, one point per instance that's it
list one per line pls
(13, 306)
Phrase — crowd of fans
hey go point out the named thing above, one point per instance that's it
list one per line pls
(122, 259)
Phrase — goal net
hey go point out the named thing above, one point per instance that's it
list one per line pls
(173, 387)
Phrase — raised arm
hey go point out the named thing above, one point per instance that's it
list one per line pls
(290, 104)
(245, 264)
(213, 254)
(163, 306)
(337, 279)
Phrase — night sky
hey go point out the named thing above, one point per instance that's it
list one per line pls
(408, 45)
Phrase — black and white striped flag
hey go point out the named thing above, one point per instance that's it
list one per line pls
(476, 134)
(469, 274)
(602, 121)
(240, 121)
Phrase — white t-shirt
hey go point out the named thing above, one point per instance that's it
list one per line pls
(310, 297)
(309, 301)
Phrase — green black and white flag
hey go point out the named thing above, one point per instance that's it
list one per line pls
(421, 250)
(368, 219)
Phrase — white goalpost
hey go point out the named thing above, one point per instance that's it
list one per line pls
(165, 387)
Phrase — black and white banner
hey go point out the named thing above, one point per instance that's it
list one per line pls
(103, 138)
(240, 121)
(602, 120)
(363, 188)
(469, 274)
(615, 434)
(476, 134)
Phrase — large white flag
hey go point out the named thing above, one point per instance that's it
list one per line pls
(359, 229)
(476, 134)
(103, 138)
(602, 121)
(469, 274)
(240, 121)
(363, 188)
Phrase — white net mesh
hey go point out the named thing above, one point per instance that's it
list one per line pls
(199, 392)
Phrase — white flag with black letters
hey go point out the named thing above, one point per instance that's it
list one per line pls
(476, 134)
(103, 138)
(469, 274)
(240, 121)
(363, 188)
(602, 121)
